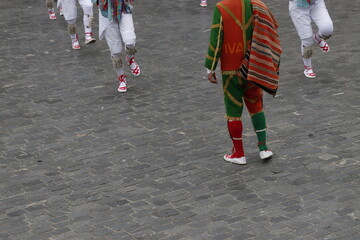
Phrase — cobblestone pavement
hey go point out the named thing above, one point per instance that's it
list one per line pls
(80, 161)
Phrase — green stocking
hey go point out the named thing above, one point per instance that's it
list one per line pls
(259, 123)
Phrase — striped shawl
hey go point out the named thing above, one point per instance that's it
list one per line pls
(262, 59)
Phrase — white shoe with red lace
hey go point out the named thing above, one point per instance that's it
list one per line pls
(203, 3)
(122, 83)
(52, 15)
(134, 67)
(235, 158)
(75, 43)
(309, 73)
(89, 38)
(322, 44)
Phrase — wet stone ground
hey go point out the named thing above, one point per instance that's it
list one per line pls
(80, 161)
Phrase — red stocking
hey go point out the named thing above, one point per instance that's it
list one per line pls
(235, 131)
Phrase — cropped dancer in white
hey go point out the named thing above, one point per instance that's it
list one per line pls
(117, 26)
(70, 14)
(303, 13)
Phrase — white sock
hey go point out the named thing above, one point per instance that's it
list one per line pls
(318, 38)
(120, 71)
(73, 37)
(87, 25)
(307, 62)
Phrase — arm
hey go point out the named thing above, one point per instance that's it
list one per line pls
(214, 49)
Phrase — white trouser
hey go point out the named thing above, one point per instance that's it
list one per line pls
(70, 9)
(302, 18)
(59, 3)
(117, 32)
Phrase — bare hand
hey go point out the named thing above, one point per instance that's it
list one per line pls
(212, 78)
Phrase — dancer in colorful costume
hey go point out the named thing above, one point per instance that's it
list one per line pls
(70, 15)
(303, 13)
(235, 25)
(117, 26)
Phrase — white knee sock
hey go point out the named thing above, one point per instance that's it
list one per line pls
(119, 71)
(87, 23)
(306, 61)
(317, 37)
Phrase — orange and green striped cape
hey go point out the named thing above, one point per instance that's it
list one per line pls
(262, 60)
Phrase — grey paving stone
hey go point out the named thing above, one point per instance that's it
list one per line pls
(80, 161)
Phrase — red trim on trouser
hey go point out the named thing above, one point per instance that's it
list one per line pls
(253, 98)
(262, 143)
(235, 131)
